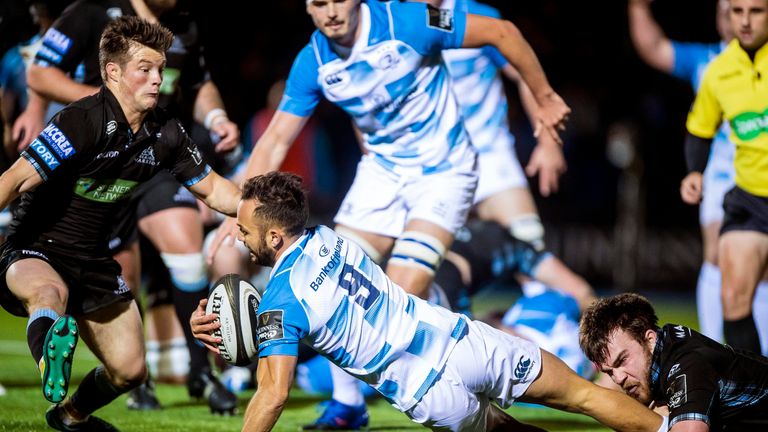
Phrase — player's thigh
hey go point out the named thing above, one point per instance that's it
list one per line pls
(443, 199)
(417, 254)
(177, 230)
(504, 206)
(116, 337)
(37, 285)
(710, 235)
(381, 243)
(743, 258)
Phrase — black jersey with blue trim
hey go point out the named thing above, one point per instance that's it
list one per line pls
(91, 162)
(700, 379)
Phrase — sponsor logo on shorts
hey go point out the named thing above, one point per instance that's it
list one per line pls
(111, 127)
(523, 368)
(440, 19)
(122, 287)
(270, 326)
(59, 142)
(57, 40)
(105, 191)
(34, 253)
(45, 154)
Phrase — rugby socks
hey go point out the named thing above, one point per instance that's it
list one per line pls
(346, 388)
(38, 325)
(448, 277)
(742, 334)
(185, 303)
(708, 302)
(94, 392)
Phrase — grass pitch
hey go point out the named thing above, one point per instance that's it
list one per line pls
(23, 407)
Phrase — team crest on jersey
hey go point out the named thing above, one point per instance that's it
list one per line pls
(441, 19)
(677, 392)
(324, 251)
(147, 157)
(270, 326)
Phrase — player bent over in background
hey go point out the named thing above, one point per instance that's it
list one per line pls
(76, 177)
(438, 367)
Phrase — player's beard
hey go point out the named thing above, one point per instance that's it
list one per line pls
(646, 385)
(262, 255)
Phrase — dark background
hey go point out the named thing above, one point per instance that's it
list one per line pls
(588, 56)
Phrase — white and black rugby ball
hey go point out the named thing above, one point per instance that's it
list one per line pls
(236, 302)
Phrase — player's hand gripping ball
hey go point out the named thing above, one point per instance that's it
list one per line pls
(236, 302)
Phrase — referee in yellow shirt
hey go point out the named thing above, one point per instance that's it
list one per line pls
(735, 89)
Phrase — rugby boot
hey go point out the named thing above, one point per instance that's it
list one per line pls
(56, 363)
(143, 397)
(92, 424)
(202, 384)
(338, 416)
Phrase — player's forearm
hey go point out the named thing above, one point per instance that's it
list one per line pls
(268, 155)
(19, 178)
(223, 197)
(262, 412)
(603, 405)
(696, 152)
(209, 99)
(53, 84)
(649, 39)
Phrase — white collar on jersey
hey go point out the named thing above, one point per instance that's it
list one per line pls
(362, 41)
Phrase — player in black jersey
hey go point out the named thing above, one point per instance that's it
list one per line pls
(705, 385)
(55, 265)
(66, 68)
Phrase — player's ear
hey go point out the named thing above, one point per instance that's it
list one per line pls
(275, 238)
(113, 71)
(650, 338)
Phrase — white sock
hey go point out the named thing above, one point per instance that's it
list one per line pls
(153, 357)
(346, 388)
(708, 303)
(760, 313)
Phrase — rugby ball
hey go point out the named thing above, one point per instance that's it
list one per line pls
(236, 302)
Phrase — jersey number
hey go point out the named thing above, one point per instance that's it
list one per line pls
(354, 282)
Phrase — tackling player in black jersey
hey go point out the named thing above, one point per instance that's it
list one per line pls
(75, 178)
(705, 385)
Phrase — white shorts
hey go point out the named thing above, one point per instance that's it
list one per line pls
(718, 179)
(486, 365)
(382, 202)
(499, 170)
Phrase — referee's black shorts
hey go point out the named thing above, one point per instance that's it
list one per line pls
(744, 212)
(93, 283)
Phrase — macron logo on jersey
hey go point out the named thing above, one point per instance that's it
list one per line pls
(45, 154)
(61, 144)
(57, 40)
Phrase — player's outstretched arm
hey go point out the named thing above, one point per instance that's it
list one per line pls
(653, 46)
(559, 387)
(21, 177)
(275, 377)
(217, 193)
(482, 30)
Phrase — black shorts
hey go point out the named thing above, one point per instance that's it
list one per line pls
(93, 283)
(744, 212)
(160, 193)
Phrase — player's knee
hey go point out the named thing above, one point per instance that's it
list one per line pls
(50, 295)
(188, 271)
(129, 374)
(528, 228)
(364, 244)
(419, 250)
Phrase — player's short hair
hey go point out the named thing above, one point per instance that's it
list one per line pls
(630, 312)
(123, 33)
(282, 200)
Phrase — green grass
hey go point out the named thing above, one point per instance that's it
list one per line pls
(23, 407)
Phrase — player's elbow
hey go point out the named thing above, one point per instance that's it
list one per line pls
(504, 31)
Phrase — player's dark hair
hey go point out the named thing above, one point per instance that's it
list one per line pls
(282, 200)
(632, 313)
(123, 33)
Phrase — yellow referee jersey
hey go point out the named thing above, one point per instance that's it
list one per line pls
(735, 88)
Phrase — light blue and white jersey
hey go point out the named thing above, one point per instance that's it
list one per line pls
(327, 293)
(691, 60)
(392, 83)
(478, 87)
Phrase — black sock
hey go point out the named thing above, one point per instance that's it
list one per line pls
(185, 302)
(38, 325)
(742, 334)
(94, 392)
(449, 278)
